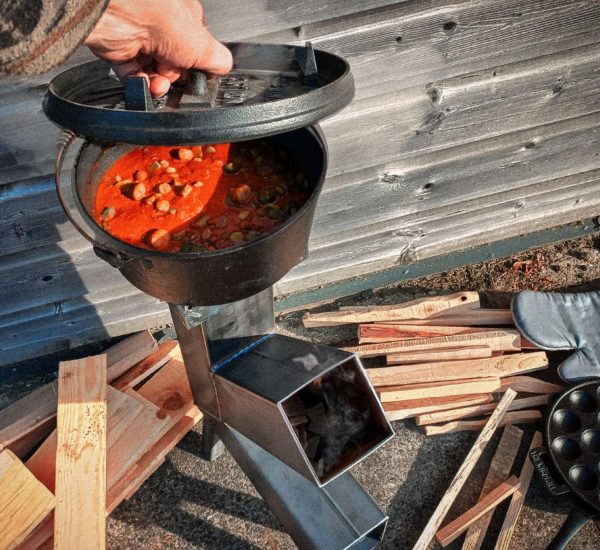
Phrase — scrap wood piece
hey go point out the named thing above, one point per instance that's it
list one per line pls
(489, 384)
(24, 501)
(380, 332)
(501, 366)
(407, 409)
(81, 454)
(479, 410)
(499, 471)
(529, 384)
(121, 410)
(126, 486)
(466, 317)
(497, 340)
(143, 430)
(517, 417)
(26, 422)
(439, 356)
(423, 308)
(148, 366)
(457, 527)
(516, 503)
(149, 463)
(169, 387)
(463, 472)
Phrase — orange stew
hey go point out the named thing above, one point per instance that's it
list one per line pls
(198, 198)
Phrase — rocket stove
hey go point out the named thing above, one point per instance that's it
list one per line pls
(295, 415)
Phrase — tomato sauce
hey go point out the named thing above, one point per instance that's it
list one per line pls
(198, 198)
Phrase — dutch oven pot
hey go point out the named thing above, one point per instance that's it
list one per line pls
(274, 92)
(200, 279)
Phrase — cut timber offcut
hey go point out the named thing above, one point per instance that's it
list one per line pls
(24, 501)
(499, 471)
(424, 308)
(501, 366)
(453, 530)
(79, 517)
(461, 476)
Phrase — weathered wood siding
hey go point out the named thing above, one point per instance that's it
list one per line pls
(473, 121)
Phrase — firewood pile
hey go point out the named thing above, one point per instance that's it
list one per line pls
(448, 361)
(74, 449)
(452, 366)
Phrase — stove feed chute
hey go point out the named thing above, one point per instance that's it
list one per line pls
(310, 405)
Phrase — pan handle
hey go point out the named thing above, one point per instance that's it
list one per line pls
(542, 462)
(579, 515)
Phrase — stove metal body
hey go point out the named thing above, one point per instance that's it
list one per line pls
(336, 515)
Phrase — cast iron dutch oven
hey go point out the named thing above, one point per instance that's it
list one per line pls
(274, 92)
(571, 461)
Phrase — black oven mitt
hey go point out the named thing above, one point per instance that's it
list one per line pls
(555, 321)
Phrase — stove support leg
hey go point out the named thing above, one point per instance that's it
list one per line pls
(212, 446)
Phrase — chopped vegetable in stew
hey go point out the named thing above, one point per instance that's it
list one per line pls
(198, 198)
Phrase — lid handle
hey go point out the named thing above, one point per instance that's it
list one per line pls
(137, 94)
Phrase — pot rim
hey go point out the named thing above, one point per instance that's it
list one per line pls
(87, 226)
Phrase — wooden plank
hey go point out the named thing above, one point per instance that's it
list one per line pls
(398, 410)
(479, 410)
(148, 366)
(453, 530)
(500, 366)
(122, 410)
(131, 482)
(133, 479)
(143, 429)
(387, 332)
(24, 416)
(499, 471)
(127, 353)
(169, 387)
(24, 501)
(505, 340)
(518, 499)
(422, 308)
(34, 414)
(81, 454)
(444, 389)
(463, 472)
(432, 356)
(528, 384)
(407, 409)
(473, 318)
(517, 417)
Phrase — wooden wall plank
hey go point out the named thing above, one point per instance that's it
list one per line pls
(81, 454)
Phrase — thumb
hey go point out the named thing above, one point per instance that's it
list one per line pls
(581, 365)
(213, 56)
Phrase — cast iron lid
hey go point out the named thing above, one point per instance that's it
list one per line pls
(271, 89)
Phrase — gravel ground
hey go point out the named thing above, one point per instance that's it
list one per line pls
(192, 503)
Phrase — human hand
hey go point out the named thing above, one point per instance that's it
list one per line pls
(158, 39)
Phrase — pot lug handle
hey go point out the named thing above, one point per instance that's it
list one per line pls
(118, 260)
(542, 462)
(579, 515)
